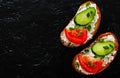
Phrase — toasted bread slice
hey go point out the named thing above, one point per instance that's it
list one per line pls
(106, 60)
(95, 23)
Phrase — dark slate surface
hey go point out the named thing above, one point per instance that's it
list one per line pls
(29, 38)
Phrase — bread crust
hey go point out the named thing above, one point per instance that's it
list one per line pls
(116, 48)
(97, 24)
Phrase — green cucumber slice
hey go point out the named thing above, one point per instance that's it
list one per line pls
(103, 48)
(85, 17)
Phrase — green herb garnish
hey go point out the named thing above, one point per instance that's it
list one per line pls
(96, 56)
(76, 26)
(111, 46)
(71, 28)
(87, 4)
(79, 33)
(102, 56)
(105, 47)
(72, 45)
(94, 65)
(89, 27)
(77, 64)
(91, 12)
(89, 63)
(86, 50)
(101, 40)
(88, 14)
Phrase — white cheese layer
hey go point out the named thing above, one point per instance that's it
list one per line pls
(72, 24)
(107, 59)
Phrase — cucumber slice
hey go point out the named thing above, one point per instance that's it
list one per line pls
(85, 17)
(103, 48)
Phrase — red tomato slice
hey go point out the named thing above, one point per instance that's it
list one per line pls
(90, 64)
(77, 36)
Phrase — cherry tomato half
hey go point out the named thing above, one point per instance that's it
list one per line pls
(77, 36)
(90, 64)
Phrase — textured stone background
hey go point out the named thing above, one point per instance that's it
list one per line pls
(29, 38)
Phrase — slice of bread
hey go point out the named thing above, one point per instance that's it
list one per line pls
(94, 24)
(108, 36)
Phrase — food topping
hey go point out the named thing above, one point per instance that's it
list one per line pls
(76, 36)
(90, 64)
(103, 48)
(85, 17)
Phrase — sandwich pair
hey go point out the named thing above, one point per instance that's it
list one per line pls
(81, 28)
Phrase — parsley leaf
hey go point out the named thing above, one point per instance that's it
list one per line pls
(76, 26)
(71, 28)
(111, 46)
(101, 40)
(94, 65)
(87, 4)
(86, 50)
(105, 47)
(89, 27)
(79, 33)
(77, 64)
(89, 63)
(88, 14)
